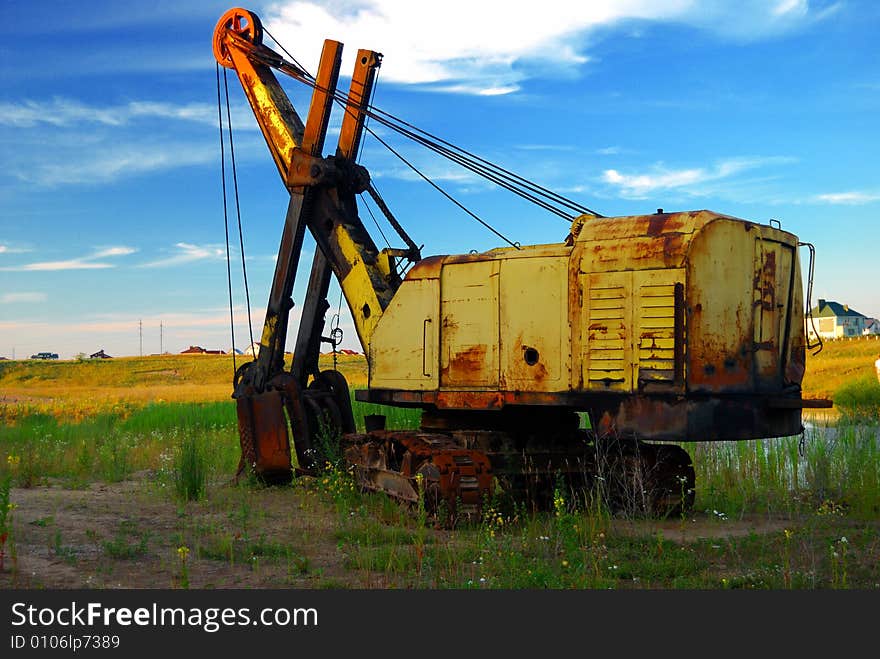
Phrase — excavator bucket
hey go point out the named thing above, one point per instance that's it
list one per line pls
(265, 445)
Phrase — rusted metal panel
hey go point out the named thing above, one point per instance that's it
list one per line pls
(263, 433)
(428, 268)
(622, 229)
(720, 273)
(658, 330)
(534, 323)
(395, 461)
(796, 345)
(716, 418)
(405, 348)
(607, 331)
(773, 278)
(469, 324)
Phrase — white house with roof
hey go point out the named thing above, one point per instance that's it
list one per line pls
(833, 320)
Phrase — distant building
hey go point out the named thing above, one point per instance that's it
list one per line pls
(836, 321)
(872, 327)
(100, 355)
(199, 350)
(45, 355)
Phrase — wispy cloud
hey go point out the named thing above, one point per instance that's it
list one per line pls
(64, 141)
(638, 185)
(7, 249)
(187, 253)
(64, 112)
(545, 147)
(852, 198)
(114, 161)
(93, 261)
(13, 298)
(440, 51)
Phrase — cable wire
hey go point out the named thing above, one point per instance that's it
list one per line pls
(247, 294)
(529, 190)
(225, 218)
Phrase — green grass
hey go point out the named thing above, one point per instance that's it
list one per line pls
(859, 399)
(825, 487)
(839, 464)
(110, 447)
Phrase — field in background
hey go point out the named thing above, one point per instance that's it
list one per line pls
(841, 363)
(73, 390)
(76, 389)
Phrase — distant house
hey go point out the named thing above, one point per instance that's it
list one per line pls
(45, 355)
(100, 355)
(872, 327)
(835, 321)
(199, 350)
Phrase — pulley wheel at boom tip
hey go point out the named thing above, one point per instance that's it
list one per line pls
(242, 22)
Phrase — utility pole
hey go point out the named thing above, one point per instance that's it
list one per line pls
(141, 337)
(161, 348)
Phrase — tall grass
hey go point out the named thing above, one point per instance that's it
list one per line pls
(836, 466)
(110, 446)
(191, 469)
(195, 442)
(860, 399)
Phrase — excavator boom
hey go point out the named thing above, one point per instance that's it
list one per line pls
(323, 200)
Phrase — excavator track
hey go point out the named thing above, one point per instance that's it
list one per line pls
(461, 469)
(414, 465)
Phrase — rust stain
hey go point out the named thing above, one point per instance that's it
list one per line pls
(657, 224)
(470, 400)
(468, 360)
(427, 268)
(797, 365)
(768, 282)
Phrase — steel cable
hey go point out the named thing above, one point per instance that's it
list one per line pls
(225, 217)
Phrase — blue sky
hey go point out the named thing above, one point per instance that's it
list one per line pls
(110, 191)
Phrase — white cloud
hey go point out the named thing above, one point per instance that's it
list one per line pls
(662, 178)
(88, 262)
(65, 112)
(187, 253)
(852, 198)
(6, 249)
(12, 298)
(116, 160)
(477, 47)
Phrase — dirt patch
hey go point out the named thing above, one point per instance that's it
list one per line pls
(701, 527)
(128, 535)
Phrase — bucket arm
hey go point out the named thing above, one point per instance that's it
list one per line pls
(322, 189)
(323, 200)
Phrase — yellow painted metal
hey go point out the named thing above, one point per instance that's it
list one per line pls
(668, 303)
(361, 286)
(405, 346)
(607, 330)
(654, 318)
(469, 332)
(366, 285)
(280, 124)
(534, 332)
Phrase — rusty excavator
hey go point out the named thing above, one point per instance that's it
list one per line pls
(666, 327)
